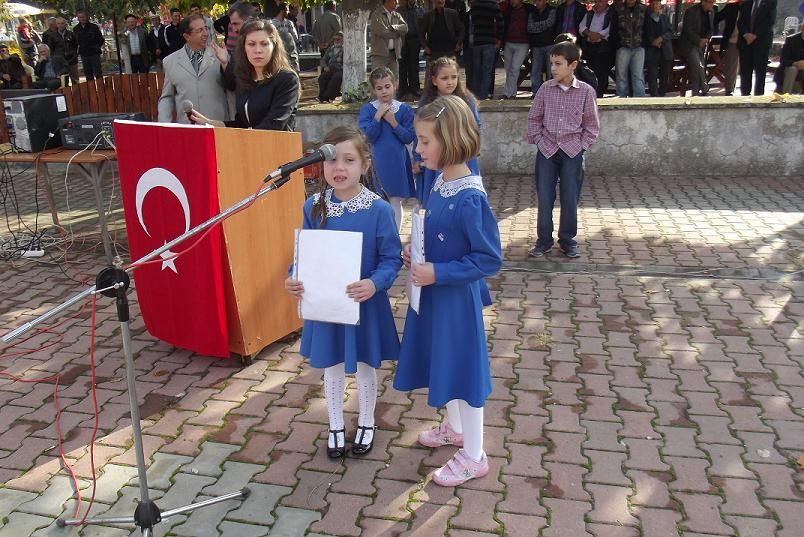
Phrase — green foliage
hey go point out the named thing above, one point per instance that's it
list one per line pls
(360, 94)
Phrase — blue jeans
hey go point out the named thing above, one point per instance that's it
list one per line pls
(548, 172)
(630, 61)
(483, 59)
(514, 54)
(540, 60)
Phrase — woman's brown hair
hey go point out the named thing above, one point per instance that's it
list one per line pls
(244, 71)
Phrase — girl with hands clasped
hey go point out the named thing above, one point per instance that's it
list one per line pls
(345, 203)
(444, 345)
(388, 124)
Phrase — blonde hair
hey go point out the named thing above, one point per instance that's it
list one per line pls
(455, 129)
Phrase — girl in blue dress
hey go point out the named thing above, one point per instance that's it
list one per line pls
(388, 124)
(441, 80)
(444, 345)
(345, 203)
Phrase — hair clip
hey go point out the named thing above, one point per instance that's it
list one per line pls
(439, 112)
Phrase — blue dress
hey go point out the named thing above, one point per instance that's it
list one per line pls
(389, 152)
(444, 345)
(427, 178)
(375, 338)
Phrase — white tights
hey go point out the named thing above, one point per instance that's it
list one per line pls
(466, 419)
(334, 388)
(396, 205)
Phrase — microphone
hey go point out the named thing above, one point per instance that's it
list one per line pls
(187, 107)
(325, 152)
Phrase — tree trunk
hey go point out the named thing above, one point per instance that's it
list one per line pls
(354, 20)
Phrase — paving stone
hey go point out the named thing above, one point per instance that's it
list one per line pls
(523, 495)
(204, 521)
(257, 508)
(292, 522)
(238, 529)
(657, 522)
(24, 524)
(477, 509)
(702, 514)
(651, 489)
(235, 476)
(740, 495)
(111, 480)
(690, 474)
(526, 461)
(566, 518)
(607, 468)
(726, 461)
(429, 519)
(608, 530)
(390, 500)
(378, 527)
(10, 499)
(755, 527)
(211, 459)
(777, 482)
(283, 467)
(49, 503)
(311, 490)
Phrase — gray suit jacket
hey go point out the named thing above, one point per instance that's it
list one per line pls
(383, 30)
(204, 90)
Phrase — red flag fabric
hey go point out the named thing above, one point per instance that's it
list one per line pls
(168, 181)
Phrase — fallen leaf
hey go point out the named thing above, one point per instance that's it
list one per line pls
(800, 462)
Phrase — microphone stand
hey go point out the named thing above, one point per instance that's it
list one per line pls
(113, 282)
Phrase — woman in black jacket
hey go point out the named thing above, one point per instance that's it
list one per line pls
(267, 87)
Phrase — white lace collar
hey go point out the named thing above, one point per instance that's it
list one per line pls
(395, 105)
(336, 208)
(447, 189)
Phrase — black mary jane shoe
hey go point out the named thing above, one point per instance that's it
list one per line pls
(359, 448)
(339, 451)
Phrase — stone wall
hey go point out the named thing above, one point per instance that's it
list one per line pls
(737, 136)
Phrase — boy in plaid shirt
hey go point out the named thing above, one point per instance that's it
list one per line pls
(563, 123)
(329, 83)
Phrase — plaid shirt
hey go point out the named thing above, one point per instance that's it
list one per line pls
(565, 120)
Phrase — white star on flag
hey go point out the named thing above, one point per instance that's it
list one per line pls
(169, 260)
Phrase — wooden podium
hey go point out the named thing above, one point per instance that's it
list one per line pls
(259, 240)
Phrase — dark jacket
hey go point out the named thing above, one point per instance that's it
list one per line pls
(610, 22)
(631, 25)
(221, 25)
(413, 18)
(171, 39)
(729, 14)
(455, 29)
(41, 65)
(693, 32)
(154, 43)
(145, 53)
(792, 51)
(90, 39)
(14, 69)
(580, 11)
(542, 26)
(487, 22)
(763, 22)
(661, 29)
(507, 17)
(63, 48)
(271, 104)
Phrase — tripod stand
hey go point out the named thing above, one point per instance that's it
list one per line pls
(114, 282)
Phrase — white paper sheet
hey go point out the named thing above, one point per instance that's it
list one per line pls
(326, 262)
(416, 255)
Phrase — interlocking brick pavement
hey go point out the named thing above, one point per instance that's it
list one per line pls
(652, 387)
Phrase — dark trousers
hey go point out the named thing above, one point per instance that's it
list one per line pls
(409, 66)
(754, 61)
(138, 64)
(548, 172)
(600, 59)
(658, 71)
(48, 83)
(482, 73)
(92, 66)
(329, 85)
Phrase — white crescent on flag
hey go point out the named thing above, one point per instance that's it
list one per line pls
(160, 177)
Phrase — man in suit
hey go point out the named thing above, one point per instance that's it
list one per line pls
(409, 61)
(728, 44)
(135, 40)
(658, 49)
(193, 74)
(326, 26)
(63, 48)
(387, 30)
(46, 76)
(699, 24)
(154, 44)
(441, 32)
(755, 27)
(90, 45)
(568, 17)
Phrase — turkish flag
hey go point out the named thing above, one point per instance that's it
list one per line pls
(168, 182)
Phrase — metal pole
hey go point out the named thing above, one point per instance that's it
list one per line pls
(117, 44)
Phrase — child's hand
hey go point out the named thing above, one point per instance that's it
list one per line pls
(423, 274)
(384, 107)
(361, 291)
(390, 118)
(417, 168)
(294, 287)
(406, 255)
